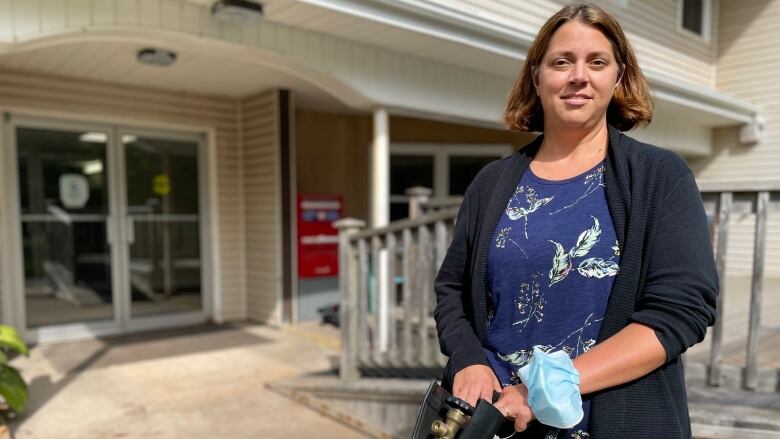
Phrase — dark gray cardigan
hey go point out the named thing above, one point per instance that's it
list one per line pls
(667, 278)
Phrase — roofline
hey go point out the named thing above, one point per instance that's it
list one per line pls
(437, 21)
(482, 33)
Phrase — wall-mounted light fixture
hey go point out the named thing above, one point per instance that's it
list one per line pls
(237, 11)
(156, 57)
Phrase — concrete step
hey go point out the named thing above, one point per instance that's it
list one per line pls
(387, 407)
(729, 413)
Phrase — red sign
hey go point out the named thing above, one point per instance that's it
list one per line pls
(318, 241)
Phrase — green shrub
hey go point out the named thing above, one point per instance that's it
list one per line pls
(12, 387)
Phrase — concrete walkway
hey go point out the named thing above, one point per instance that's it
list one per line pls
(203, 382)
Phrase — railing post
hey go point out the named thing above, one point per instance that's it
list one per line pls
(724, 213)
(751, 372)
(418, 196)
(348, 284)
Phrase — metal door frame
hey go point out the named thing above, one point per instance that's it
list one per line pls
(12, 270)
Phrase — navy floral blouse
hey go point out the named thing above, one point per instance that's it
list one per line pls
(550, 271)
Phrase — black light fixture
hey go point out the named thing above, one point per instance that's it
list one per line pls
(241, 11)
(156, 56)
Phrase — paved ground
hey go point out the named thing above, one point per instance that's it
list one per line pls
(204, 382)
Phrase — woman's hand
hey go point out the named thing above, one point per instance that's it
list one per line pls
(513, 404)
(474, 382)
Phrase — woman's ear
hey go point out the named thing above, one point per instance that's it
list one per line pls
(535, 77)
(621, 70)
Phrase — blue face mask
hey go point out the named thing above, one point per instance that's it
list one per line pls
(553, 389)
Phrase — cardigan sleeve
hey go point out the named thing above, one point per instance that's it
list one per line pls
(681, 284)
(457, 337)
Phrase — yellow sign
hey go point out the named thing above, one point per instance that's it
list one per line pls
(161, 184)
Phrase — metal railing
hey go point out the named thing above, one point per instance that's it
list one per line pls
(387, 287)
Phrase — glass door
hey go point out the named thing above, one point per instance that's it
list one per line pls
(162, 205)
(107, 228)
(64, 214)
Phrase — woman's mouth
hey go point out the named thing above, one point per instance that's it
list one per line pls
(576, 99)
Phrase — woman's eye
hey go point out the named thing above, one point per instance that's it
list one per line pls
(599, 62)
(560, 62)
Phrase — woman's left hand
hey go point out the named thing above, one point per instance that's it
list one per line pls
(513, 404)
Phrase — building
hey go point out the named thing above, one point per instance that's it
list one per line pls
(153, 150)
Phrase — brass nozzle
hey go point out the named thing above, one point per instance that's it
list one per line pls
(456, 419)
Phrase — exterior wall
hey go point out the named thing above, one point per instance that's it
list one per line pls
(337, 146)
(747, 67)
(332, 157)
(748, 34)
(30, 93)
(259, 166)
(409, 129)
(651, 27)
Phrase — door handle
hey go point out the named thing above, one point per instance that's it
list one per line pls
(130, 230)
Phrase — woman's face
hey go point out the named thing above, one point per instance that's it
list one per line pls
(577, 77)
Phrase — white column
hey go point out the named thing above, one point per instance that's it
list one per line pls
(380, 216)
(380, 169)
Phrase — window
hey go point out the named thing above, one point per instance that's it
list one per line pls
(446, 169)
(694, 16)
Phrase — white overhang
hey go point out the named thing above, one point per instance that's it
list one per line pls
(508, 44)
(409, 56)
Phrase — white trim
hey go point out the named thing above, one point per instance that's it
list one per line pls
(243, 300)
(477, 31)
(380, 168)
(214, 242)
(726, 109)
(119, 247)
(279, 216)
(438, 21)
(206, 274)
(198, 139)
(706, 18)
(293, 179)
(7, 285)
(75, 331)
(15, 266)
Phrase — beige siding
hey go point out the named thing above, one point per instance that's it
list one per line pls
(31, 92)
(747, 66)
(741, 243)
(260, 167)
(651, 27)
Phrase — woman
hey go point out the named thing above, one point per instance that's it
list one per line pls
(585, 241)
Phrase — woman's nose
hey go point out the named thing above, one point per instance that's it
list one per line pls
(578, 74)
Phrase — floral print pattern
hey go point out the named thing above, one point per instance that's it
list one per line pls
(550, 279)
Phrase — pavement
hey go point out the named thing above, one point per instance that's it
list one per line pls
(198, 382)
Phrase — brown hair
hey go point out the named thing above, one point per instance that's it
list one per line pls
(631, 105)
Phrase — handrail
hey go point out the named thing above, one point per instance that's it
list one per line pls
(400, 225)
(386, 278)
(387, 291)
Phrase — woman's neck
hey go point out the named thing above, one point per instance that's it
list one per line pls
(566, 153)
(572, 146)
